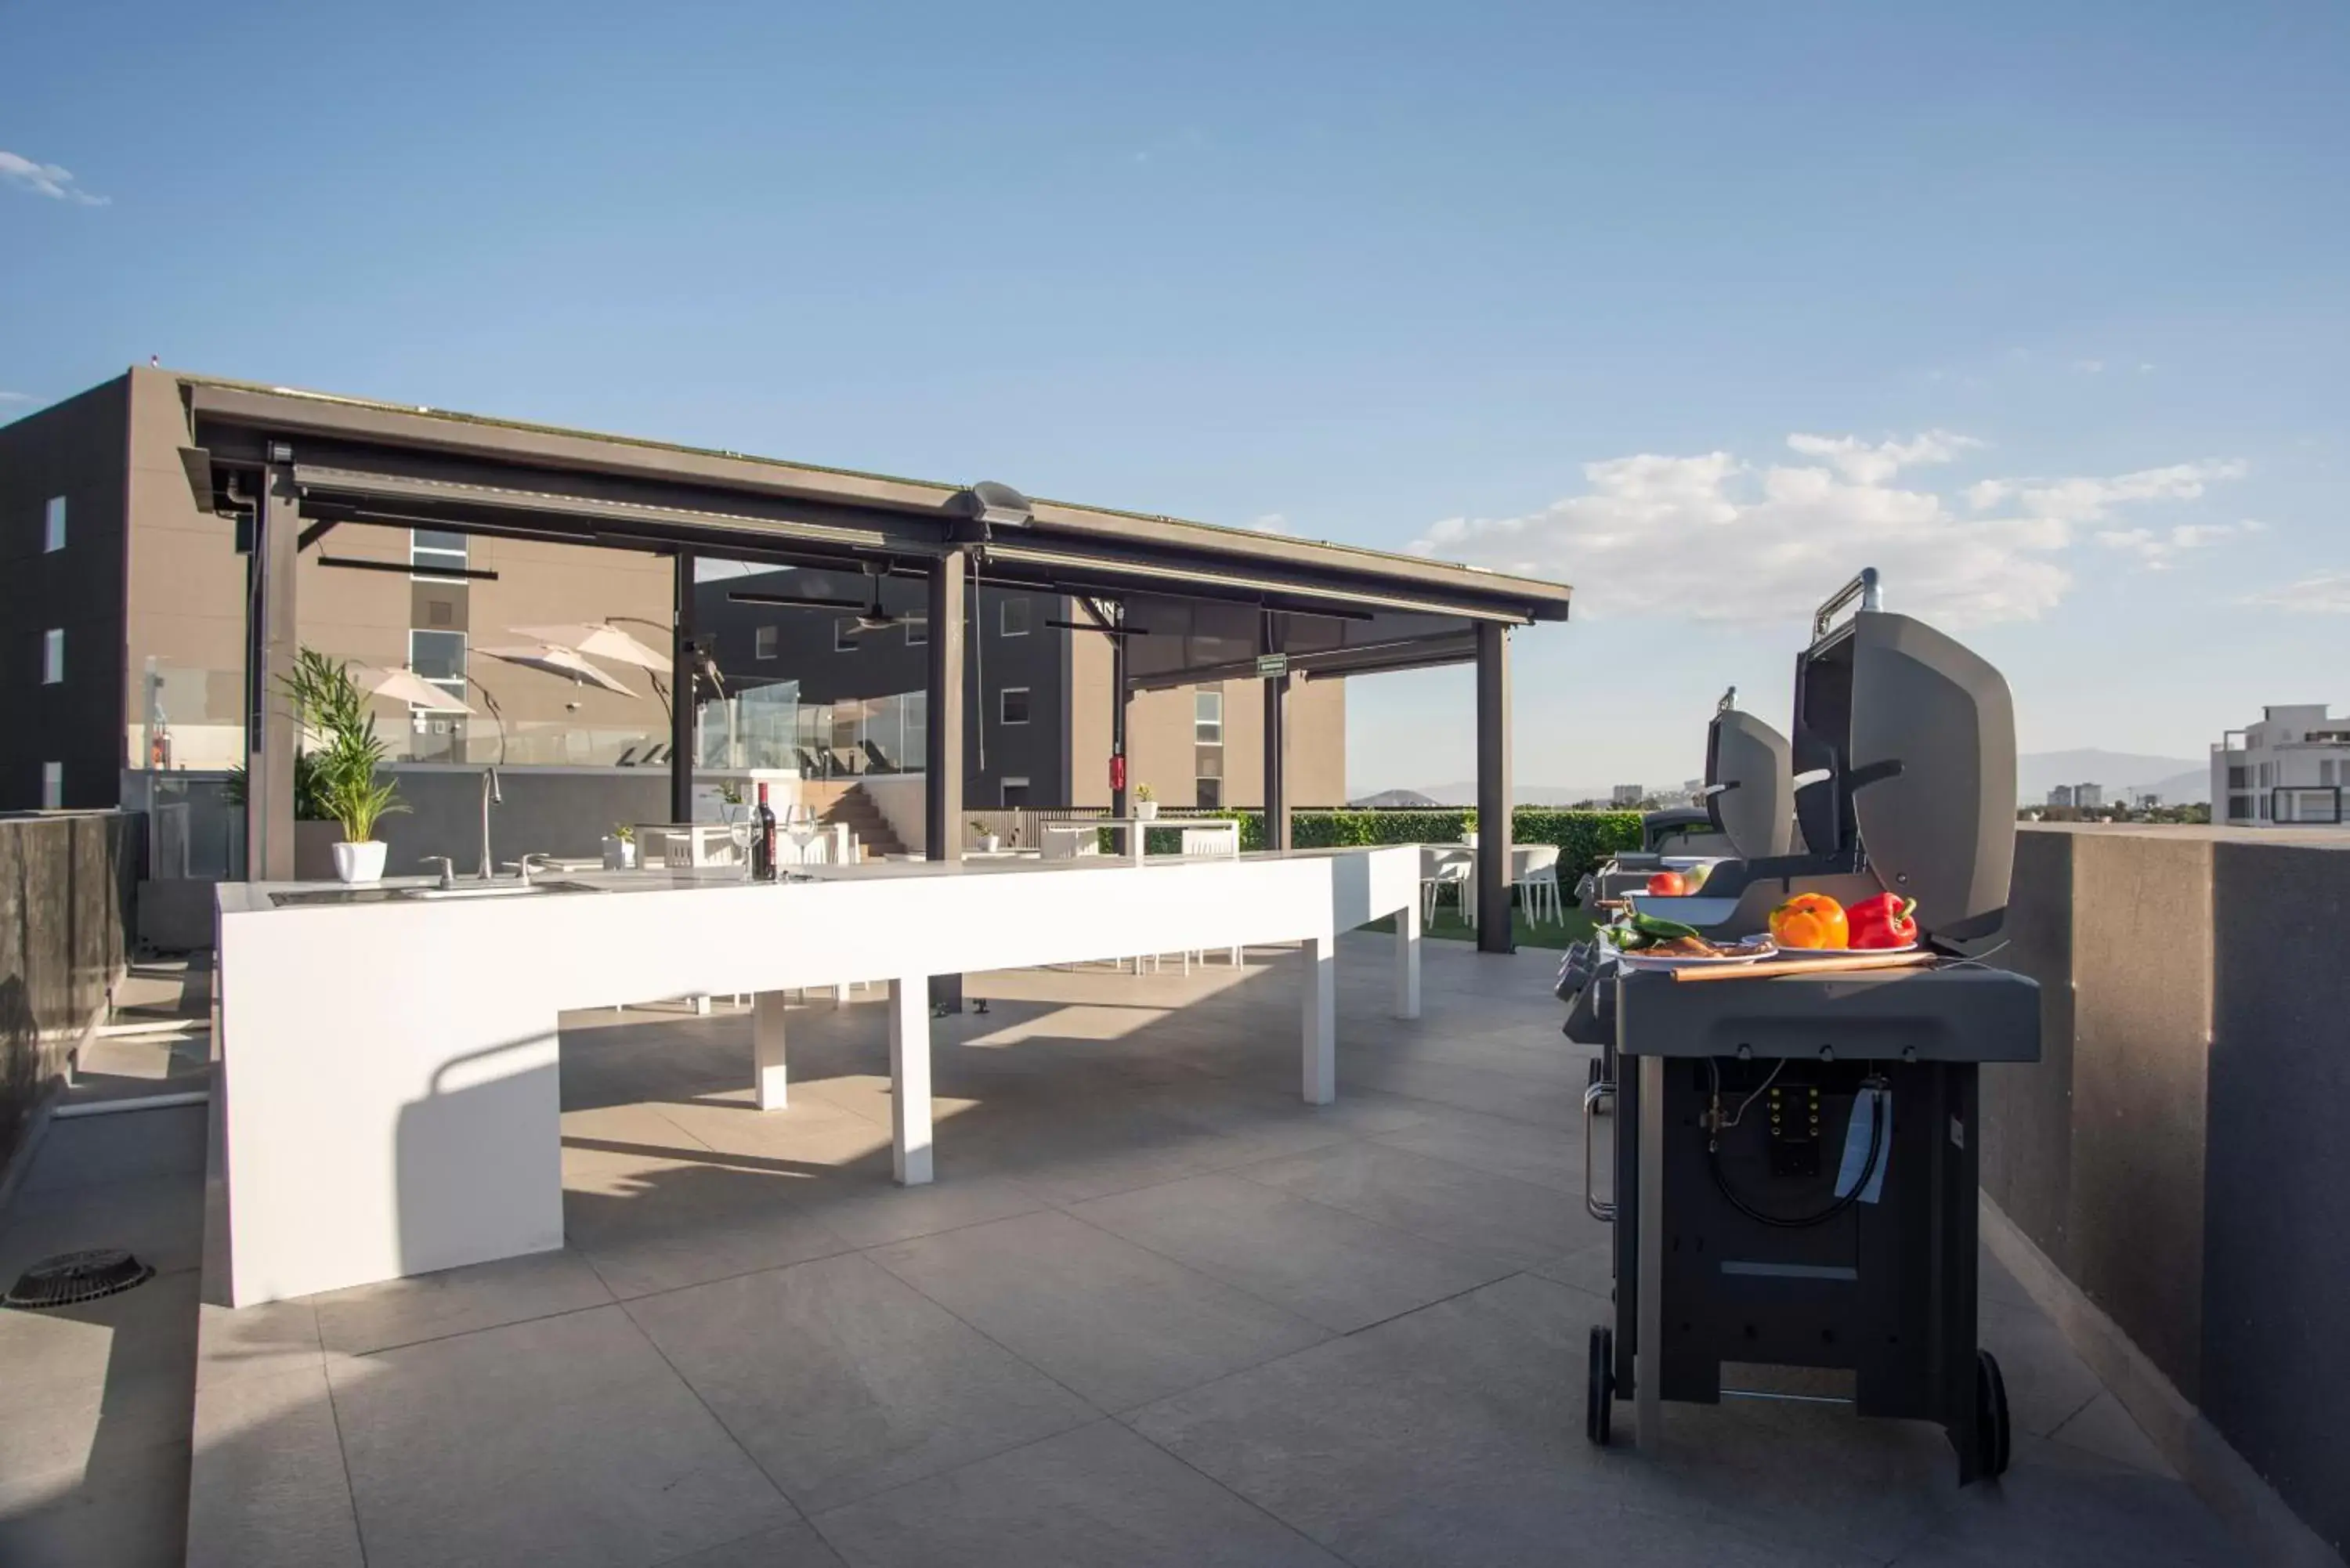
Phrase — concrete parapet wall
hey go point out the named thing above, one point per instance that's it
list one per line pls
(2176, 1153)
(68, 890)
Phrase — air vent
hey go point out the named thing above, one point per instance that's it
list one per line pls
(71, 1278)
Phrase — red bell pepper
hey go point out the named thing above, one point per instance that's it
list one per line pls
(1883, 922)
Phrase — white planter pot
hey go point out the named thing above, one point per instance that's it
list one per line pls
(360, 862)
(1145, 810)
(990, 844)
(619, 854)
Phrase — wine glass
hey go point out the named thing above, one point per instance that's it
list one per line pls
(743, 831)
(800, 827)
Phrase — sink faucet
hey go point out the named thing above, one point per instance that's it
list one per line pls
(533, 861)
(448, 870)
(491, 795)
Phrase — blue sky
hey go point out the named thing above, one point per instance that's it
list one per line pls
(2040, 308)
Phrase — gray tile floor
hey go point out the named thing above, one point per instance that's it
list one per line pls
(1154, 1311)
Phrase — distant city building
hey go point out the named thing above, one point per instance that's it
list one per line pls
(2061, 795)
(2143, 799)
(2290, 767)
(1695, 790)
(2088, 796)
(1627, 796)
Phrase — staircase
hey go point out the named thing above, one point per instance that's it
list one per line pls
(855, 807)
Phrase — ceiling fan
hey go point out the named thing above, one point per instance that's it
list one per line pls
(871, 616)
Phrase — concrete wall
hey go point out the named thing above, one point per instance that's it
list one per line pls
(2177, 1152)
(67, 890)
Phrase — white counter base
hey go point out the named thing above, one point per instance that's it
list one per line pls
(389, 1070)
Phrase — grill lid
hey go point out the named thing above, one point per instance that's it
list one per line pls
(1749, 785)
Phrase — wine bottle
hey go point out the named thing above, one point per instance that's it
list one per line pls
(762, 847)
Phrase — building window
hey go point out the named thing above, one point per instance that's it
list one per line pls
(1207, 775)
(2239, 808)
(843, 635)
(1012, 705)
(1011, 618)
(1208, 718)
(53, 525)
(763, 642)
(438, 658)
(1015, 793)
(2239, 778)
(53, 786)
(53, 656)
(918, 630)
(430, 550)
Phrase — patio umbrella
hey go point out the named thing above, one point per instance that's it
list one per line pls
(603, 641)
(557, 660)
(405, 686)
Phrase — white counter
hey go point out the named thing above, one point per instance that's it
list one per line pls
(389, 1096)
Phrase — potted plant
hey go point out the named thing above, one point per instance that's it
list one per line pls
(988, 843)
(328, 705)
(1146, 804)
(620, 847)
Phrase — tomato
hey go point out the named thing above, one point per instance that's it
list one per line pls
(1810, 921)
(1883, 922)
(1667, 885)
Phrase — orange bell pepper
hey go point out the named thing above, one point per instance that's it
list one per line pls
(1811, 920)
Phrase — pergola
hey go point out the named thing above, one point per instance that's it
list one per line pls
(1182, 602)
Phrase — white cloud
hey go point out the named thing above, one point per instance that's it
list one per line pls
(2328, 593)
(1864, 463)
(1712, 538)
(15, 396)
(2154, 547)
(45, 180)
(1273, 523)
(2089, 367)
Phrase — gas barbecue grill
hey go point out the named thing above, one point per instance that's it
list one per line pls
(1795, 1155)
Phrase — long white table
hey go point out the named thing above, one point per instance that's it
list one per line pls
(388, 1103)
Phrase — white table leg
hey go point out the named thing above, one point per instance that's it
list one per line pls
(909, 1079)
(840, 994)
(1319, 1006)
(768, 1078)
(1407, 960)
(702, 1006)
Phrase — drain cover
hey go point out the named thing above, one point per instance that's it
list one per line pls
(71, 1277)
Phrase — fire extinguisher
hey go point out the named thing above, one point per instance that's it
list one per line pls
(1118, 772)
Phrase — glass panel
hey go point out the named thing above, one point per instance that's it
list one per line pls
(437, 540)
(1012, 705)
(1210, 793)
(843, 635)
(1015, 793)
(918, 630)
(1208, 718)
(53, 656)
(1013, 617)
(52, 523)
(438, 656)
(763, 642)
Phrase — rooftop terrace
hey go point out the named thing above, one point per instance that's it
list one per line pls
(1155, 1310)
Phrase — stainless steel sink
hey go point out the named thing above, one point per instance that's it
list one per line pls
(425, 894)
(493, 890)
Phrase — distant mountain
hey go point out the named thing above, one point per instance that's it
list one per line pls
(1523, 795)
(1395, 800)
(2176, 779)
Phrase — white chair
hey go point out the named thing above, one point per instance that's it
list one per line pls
(1062, 841)
(1441, 867)
(1533, 871)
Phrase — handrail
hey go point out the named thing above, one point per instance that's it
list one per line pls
(1862, 588)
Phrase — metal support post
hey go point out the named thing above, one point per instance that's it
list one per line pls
(1493, 933)
(269, 772)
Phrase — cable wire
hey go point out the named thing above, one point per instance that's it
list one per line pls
(1876, 1128)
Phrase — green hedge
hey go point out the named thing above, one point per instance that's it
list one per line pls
(1585, 839)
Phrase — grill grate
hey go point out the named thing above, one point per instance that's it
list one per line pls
(74, 1277)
